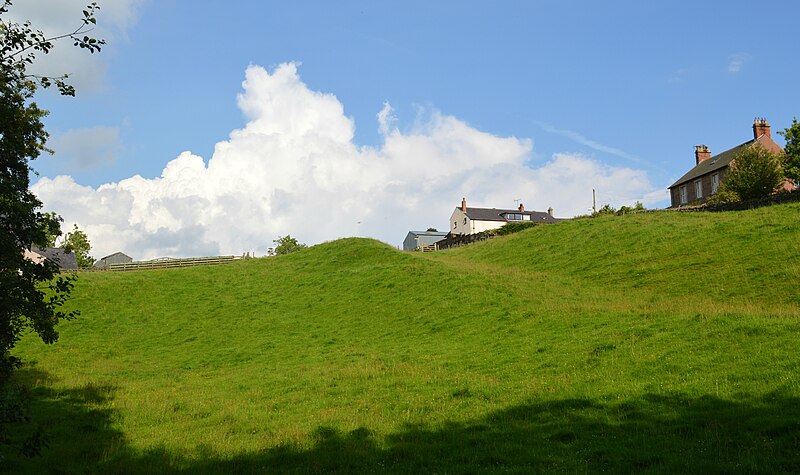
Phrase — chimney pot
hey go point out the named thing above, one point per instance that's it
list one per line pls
(522, 207)
(760, 127)
(464, 205)
(701, 153)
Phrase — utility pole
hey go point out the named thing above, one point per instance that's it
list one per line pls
(594, 203)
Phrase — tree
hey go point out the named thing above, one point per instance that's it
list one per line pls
(285, 245)
(31, 295)
(754, 173)
(78, 242)
(791, 160)
(51, 226)
(432, 230)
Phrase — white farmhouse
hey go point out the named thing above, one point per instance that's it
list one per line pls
(466, 220)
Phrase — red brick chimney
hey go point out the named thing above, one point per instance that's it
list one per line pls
(464, 205)
(760, 127)
(701, 153)
(522, 207)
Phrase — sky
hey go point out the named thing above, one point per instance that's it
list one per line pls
(213, 128)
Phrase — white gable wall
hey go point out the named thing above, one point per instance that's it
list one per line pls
(460, 223)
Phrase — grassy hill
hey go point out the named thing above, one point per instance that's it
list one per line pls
(662, 342)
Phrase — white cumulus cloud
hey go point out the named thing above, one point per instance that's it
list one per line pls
(295, 169)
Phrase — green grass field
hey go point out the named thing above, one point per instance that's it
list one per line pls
(661, 342)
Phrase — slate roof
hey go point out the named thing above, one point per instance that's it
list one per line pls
(494, 214)
(65, 260)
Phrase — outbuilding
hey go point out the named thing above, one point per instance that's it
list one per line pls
(116, 258)
(416, 240)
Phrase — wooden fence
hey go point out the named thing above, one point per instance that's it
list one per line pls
(170, 263)
(459, 240)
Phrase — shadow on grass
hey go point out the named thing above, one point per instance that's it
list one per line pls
(657, 433)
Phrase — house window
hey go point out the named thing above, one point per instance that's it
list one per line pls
(465, 220)
(714, 183)
(513, 217)
(684, 195)
(698, 189)
(455, 223)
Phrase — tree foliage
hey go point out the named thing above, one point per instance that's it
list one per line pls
(51, 227)
(31, 295)
(629, 209)
(606, 209)
(285, 245)
(754, 173)
(78, 242)
(791, 161)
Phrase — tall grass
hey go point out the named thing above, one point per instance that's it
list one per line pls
(663, 342)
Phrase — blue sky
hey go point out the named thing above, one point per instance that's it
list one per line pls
(623, 89)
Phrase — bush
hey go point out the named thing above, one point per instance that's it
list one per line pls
(511, 228)
(724, 195)
(628, 209)
(754, 173)
(606, 209)
(285, 245)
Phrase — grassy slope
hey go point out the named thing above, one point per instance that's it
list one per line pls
(659, 341)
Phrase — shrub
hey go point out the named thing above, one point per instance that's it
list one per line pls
(606, 209)
(754, 173)
(724, 195)
(627, 209)
(511, 228)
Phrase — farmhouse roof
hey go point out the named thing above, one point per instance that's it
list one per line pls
(494, 214)
(717, 162)
(64, 259)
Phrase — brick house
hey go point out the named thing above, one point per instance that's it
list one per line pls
(702, 181)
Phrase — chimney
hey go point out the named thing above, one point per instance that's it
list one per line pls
(760, 127)
(521, 208)
(701, 153)
(464, 205)
(550, 211)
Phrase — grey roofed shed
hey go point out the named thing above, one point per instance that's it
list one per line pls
(65, 260)
(414, 239)
(116, 258)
